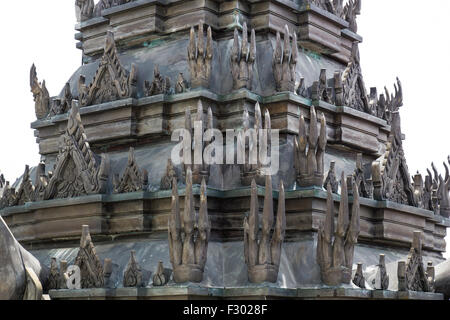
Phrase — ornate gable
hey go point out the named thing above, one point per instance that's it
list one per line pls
(111, 81)
(415, 276)
(78, 171)
(87, 260)
(133, 178)
(26, 190)
(354, 90)
(390, 174)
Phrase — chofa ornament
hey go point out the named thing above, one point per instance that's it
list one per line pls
(188, 234)
(263, 251)
(335, 246)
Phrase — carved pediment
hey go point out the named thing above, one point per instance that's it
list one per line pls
(87, 260)
(78, 171)
(133, 274)
(133, 178)
(354, 90)
(391, 177)
(390, 174)
(111, 81)
(9, 196)
(412, 275)
(26, 190)
(171, 174)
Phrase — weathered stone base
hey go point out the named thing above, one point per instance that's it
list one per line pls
(310, 181)
(188, 273)
(246, 178)
(263, 273)
(336, 276)
(247, 293)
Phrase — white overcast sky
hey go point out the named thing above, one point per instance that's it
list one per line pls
(401, 38)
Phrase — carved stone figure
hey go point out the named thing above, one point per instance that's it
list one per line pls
(200, 58)
(354, 94)
(263, 253)
(158, 86)
(101, 5)
(40, 95)
(107, 273)
(416, 278)
(335, 255)
(243, 59)
(25, 193)
(162, 275)
(41, 182)
(105, 4)
(199, 171)
(419, 190)
(85, 9)
(310, 150)
(188, 234)
(9, 196)
(443, 192)
(360, 179)
(401, 276)
(331, 178)
(133, 179)
(381, 281)
(181, 85)
(77, 169)
(359, 279)
(390, 174)
(348, 12)
(111, 81)
(351, 10)
(301, 90)
(54, 277)
(133, 274)
(87, 260)
(253, 142)
(61, 106)
(171, 174)
(2, 183)
(285, 62)
(320, 89)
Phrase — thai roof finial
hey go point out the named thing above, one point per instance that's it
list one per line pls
(200, 58)
(263, 253)
(335, 254)
(309, 164)
(284, 62)
(188, 234)
(243, 59)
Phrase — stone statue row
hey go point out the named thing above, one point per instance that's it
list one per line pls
(114, 82)
(86, 9)
(189, 235)
(89, 272)
(433, 193)
(411, 274)
(264, 234)
(78, 171)
(348, 12)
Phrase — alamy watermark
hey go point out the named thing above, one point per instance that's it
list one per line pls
(260, 148)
